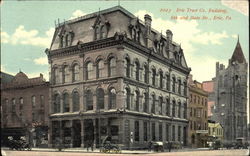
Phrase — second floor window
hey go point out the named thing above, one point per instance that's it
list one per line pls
(75, 72)
(153, 77)
(112, 67)
(89, 100)
(89, 73)
(100, 98)
(65, 102)
(112, 98)
(33, 101)
(137, 71)
(76, 101)
(100, 69)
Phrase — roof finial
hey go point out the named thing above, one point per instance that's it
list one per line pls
(238, 39)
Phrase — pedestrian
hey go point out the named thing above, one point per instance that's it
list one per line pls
(92, 145)
(149, 145)
(169, 146)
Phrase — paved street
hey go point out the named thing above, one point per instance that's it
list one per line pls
(128, 153)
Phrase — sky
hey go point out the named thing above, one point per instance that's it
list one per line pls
(27, 28)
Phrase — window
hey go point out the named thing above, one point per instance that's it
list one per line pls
(89, 100)
(168, 82)
(160, 131)
(145, 104)
(137, 71)
(100, 98)
(21, 104)
(173, 84)
(145, 73)
(160, 104)
(153, 132)
(65, 102)
(75, 73)
(161, 79)
(112, 67)
(173, 133)
(65, 74)
(112, 98)
(56, 103)
(127, 67)
(100, 69)
(137, 100)
(185, 88)
(137, 131)
(127, 94)
(33, 117)
(42, 101)
(167, 132)
(75, 101)
(167, 107)
(55, 76)
(191, 97)
(13, 104)
(153, 104)
(179, 86)
(33, 101)
(153, 77)
(185, 111)
(191, 112)
(179, 109)
(173, 108)
(179, 133)
(145, 131)
(89, 72)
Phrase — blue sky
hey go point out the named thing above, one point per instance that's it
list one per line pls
(27, 28)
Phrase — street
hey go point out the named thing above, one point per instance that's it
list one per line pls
(241, 152)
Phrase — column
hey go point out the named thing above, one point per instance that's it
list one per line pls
(82, 133)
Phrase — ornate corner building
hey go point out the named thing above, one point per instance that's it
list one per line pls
(24, 108)
(230, 93)
(113, 75)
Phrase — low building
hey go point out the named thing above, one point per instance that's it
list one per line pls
(25, 109)
(215, 131)
(197, 114)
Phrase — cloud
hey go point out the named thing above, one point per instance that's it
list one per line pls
(41, 61)
(27, 37)
(187, 32)
(241, 6)
(77, 13)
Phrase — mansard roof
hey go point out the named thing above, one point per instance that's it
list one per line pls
(238, 54)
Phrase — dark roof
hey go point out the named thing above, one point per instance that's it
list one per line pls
(238, 54)
(5, 78)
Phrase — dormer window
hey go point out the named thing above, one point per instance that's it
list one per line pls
(135, 30)
(66, 36)
(101, 27)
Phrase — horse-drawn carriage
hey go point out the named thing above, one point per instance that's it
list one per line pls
(108, 147)
(18, 145)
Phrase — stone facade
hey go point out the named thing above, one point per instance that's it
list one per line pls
(198, 119)
(113, 75)
(25, 108)
(230, 89)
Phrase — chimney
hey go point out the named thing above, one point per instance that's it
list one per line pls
(169, 35)
(148, 21)
(217, 68)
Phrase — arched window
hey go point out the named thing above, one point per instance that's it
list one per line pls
(145, 68)
(167, 107)
(55, 75)
(89, 72)
(65, 102)
(145, 104)
(185, 88)
(112, 98)
(100, 98)
(173, 84)
(160, 104)
(56, 103)
(112, 67)
(75, 101)
(153, 104)
(168, 82)
(65, 74)
(127, 67)
(13, 105)
(127, 94)
(20, 103)
(89, 100)
(179, 86)
(179, 109)
(75, 73)
(137, 100)
(173, 108)
(161, 79)
(33, 101)
(100, 69)
(137, 71)
(153, 76)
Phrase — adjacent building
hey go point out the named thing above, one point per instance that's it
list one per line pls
(230, 90)
(208, 86)
(114, 75)
(215, 131)
(24, 108)
(198, 119)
